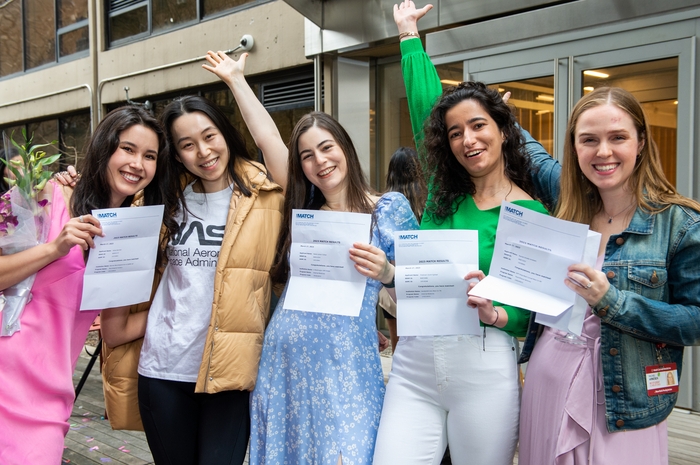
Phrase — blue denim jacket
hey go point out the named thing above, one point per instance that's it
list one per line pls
(652, 308)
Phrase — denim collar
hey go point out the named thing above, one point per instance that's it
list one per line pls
(642, 222)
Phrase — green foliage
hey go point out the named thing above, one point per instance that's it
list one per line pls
(29, 172)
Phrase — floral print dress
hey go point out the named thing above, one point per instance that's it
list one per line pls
(320, 385)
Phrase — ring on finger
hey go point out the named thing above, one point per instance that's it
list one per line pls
(81, 219)
(589, 285)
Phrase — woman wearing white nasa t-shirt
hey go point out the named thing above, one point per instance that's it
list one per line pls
(205, 328)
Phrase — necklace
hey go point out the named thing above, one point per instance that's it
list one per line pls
(611, 217)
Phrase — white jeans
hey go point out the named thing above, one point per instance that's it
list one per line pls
(461, 390)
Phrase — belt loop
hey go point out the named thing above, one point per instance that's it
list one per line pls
(483, 339)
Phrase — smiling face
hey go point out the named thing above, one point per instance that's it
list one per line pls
(133, 165)
(201, 147)
(323, 161)
(607, 144)
(475, 138)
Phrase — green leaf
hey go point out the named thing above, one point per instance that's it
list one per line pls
(49, 160)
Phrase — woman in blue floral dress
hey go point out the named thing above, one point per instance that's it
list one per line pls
(320, 386)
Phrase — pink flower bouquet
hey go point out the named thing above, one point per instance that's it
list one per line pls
(23, 223)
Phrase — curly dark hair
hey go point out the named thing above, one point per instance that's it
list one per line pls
(449, 182)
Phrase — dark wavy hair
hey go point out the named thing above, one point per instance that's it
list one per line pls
(405, 176)
(302, 194)
(234, 141)
(450, 182)
(94, 192)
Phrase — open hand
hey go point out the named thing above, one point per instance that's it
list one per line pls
(225, 67)
(406, 15)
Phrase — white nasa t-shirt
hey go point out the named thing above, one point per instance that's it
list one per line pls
(181, 308)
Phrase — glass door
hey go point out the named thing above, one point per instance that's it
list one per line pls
(652, 73)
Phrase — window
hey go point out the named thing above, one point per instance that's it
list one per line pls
(39, 33)
(72, 26)
(11, 38)
(210, 7)
(132, 19)
(34, 33)
(72, 133)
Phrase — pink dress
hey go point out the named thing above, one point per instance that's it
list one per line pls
(562, 416)
(37, 363)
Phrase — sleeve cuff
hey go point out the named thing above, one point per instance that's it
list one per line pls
(412, 45)
(606, 308)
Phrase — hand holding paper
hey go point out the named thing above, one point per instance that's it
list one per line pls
(597, 284)
(571, 320)
(430, 286)
(531, 257)
(370, 261)
(323, 278)
(123, 259)
(487, 312)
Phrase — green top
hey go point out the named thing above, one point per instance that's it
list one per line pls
(423, 86)
(468, 216)
(423, 89)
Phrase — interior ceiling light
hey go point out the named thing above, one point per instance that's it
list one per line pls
(597, 74)
(545, 98)
(588, 89)
(450, 82)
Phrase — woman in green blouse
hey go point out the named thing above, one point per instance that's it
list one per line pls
(462, 390)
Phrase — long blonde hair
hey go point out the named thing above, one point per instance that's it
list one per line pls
(579, 199)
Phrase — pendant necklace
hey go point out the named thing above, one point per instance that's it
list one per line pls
(611, 217)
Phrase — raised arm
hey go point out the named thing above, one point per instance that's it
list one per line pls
(259, 122)
(546, 171)
(423, 86)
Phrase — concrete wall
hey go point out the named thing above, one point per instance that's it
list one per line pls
(277, 28)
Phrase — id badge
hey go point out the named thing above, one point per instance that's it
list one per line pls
(662, 379)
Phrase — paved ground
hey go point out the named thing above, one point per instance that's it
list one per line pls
(92, 441)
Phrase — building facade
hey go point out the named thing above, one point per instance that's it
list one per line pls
(65, 63)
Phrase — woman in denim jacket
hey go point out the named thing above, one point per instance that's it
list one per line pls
(605, 398)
